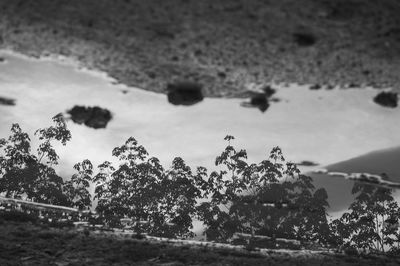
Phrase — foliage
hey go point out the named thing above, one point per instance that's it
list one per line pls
(223, 187)
(270, 198)
(179, 195)
(159, 202)
(77, 188)
(30, 175)
(24, 173)
(372, 221)
(128, 191)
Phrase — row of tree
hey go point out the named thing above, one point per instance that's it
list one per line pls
(271, 198)
(30, 174)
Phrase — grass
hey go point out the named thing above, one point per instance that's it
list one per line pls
(26, 243)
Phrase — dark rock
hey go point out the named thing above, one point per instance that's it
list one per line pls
(184, 93)
(7, 101)
(94, 117)
(2, 60)
(198, 52)
(353, 85)
(366, 72)
(315, 87)
(222, 74)
(387, 99)
(304, 39)
(260, 100)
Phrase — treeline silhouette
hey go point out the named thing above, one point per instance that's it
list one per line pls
(269, 199)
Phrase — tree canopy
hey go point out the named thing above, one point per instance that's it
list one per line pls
(271, 198)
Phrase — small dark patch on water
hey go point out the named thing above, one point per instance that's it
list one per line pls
(275, 100)
(184, 93)
(6, 101)
(94, 117)
(261, 100)
(269, 91)
(387, 99)
(307, 163)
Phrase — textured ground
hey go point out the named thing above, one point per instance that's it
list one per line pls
(228, 46)
(27, 244)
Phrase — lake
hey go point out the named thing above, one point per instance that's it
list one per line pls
(328, 127)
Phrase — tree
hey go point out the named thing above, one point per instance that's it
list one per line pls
(372, 221)
(16, 163)
(77, 188)
(223, 187)
(270, 198)
(32, 175)
(131, 189)
(161, 203)
(259, 208)
(179, 193)
(285, 203)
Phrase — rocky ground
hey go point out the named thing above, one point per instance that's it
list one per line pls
(24, 243)
(226, 46)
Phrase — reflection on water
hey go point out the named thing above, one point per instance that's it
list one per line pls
(319, 126)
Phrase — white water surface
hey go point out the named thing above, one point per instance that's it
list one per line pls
(324, 126)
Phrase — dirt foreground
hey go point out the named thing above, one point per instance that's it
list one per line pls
(28, 244)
